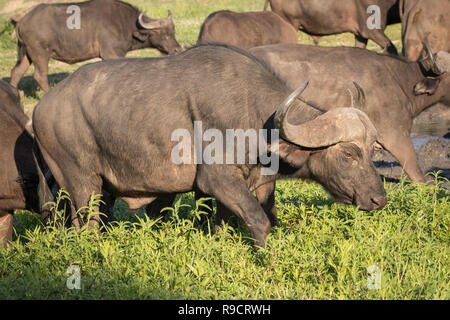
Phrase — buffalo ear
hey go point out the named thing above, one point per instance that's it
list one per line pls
(140, 36)
(292, 154)
(427, 86)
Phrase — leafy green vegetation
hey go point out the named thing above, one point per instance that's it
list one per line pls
(321, 250)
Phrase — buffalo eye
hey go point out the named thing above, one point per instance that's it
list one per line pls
(377, 146)
(351, 151)
(348, 154)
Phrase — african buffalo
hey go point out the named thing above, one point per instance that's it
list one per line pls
(127, 144)
(425, 21)
(396, 90)
(18, 174)
(107, 29)
(246, 29)
(324, 17)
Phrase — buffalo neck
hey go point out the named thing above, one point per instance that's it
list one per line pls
(136, 44)
(286, 171)
(301, 113)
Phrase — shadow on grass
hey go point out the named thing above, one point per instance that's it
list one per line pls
(36, 284)
(31, 88)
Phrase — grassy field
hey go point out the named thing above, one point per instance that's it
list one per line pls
(322, 250)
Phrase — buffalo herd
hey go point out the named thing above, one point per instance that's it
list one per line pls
(117, 127)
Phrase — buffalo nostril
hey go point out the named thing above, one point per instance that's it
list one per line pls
(380, 202)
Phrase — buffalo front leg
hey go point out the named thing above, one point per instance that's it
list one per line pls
(402, 148)
(360, 42)
(266, 197)
(6, 222)
(41, 76)
(230, 189)
(316, 40)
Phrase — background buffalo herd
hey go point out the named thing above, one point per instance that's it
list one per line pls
(86, 132)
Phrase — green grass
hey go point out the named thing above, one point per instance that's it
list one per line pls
(320, 251)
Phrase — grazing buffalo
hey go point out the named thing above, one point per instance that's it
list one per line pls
(425, 21)
(246, 29)
(18, 174)
(396, 90)
(324, 17)
(106, 29)
(138, 145)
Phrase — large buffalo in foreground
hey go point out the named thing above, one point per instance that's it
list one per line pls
(106, 29)
(18, 174)
(396, 90)
(246, 29)
(130, 144)
(425, 21)
(325, 17)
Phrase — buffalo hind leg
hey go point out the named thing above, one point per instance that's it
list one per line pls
(81, 189)
(6, 222)
(22, 65)
(208, 203)
(156, 206)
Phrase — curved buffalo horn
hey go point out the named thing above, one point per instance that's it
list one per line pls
(336, 125)
(434, 66)
(280, 116)
(360, 99)
(154, 24)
